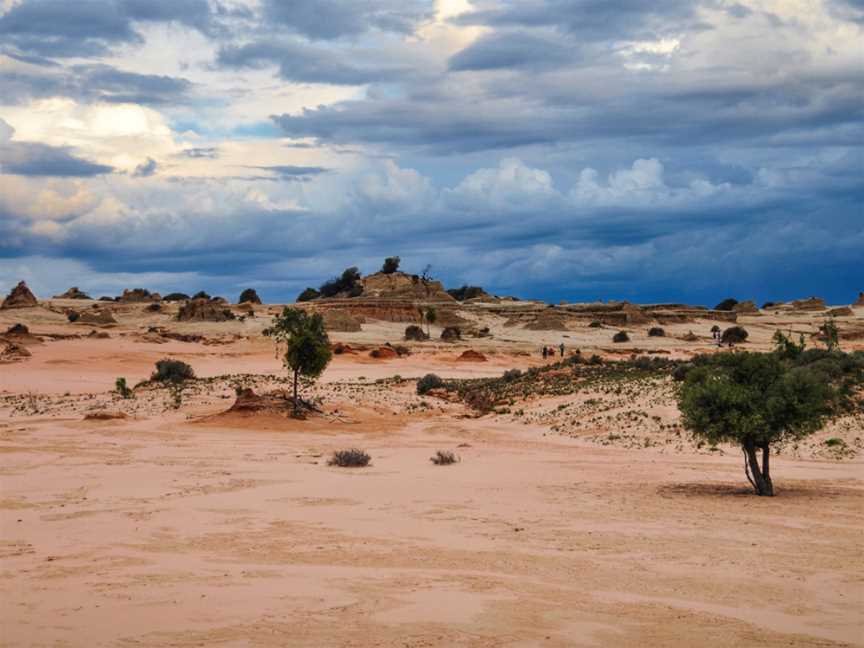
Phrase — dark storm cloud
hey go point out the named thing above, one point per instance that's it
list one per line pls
(94, 82)
(291, 172)
(590, 20)
(330, 19)
(305, 63)
(512, 50)
(87, 28)
(32, 159)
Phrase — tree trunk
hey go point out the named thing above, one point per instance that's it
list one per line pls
(761, 478)
(296, 401)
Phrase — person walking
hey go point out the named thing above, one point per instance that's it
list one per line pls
(545, 352)
(561, 348)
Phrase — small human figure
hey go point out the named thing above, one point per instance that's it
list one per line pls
(561, 348)
(545, 352)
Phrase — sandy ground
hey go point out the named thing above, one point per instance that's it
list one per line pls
(185, 527)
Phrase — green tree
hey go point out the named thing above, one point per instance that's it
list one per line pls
(430, 315)
(304, 345)
(753, 400)
(391, 265)
(830, 334)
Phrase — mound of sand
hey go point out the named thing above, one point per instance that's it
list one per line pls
(96, 317)
(550, 319)
(19, 297)
(340, 321)
(204, 310)
(12, 352)
(472, 356)
(384, 353)
(73, 293)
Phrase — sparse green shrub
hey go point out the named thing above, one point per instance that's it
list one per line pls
(201, 295)
(656, 331)
(73, 316)
(444, 458)
(465, 292)
(308, 295)
(829, 334)
(512, 374)
(834, 441)
(414, 332)
(169, 370)
(176, 296)
(351, 458)
(595, 324)
(428, 383)
(451, 334)
(348, 282)
(122, 388)
(734, 335)
(621, 336)
(391, 265)
(727, 304)
(249, 296)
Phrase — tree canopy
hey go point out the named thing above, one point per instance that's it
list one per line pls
(304, 344)
(391, 265)
(754, 400)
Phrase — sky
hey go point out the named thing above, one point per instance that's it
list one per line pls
(676, 150)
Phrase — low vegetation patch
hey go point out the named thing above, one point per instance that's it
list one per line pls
(428, 382)
(656, 331)
(169, 370)
(621, 336)
(734, 335)
(351, 458)
(444, 458)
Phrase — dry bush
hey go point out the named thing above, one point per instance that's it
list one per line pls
(351, 458)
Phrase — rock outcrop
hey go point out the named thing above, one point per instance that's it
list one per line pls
(843, 311)
(860, 300)
(204, 310)
(12, 351)
(96, 317)
(809, 304)
(341, 321)
(19, 297)
(550, 319)
(138, 295)
(398, 285)
(73, 293)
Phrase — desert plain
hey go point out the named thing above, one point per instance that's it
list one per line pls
(583, 517)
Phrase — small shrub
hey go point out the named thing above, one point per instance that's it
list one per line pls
(595, 360)
(175, 297)
(391, 265)
(595, 324)
(168, 370)
(680, 372)
(415, 333)
(201, 295)
(401, 350)
(352, 458)
(72, 316)
(465, 292)
(155, 307)
(621, 336)
(451, 334)
(249, 296)
(444, 458)
(726, 305)
(428, 383)
(122, 388)
(512, 374)
(656, 331)
(834, 441)
(734, 335)
(308, 295)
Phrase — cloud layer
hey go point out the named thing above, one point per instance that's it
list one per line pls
(578, 149)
